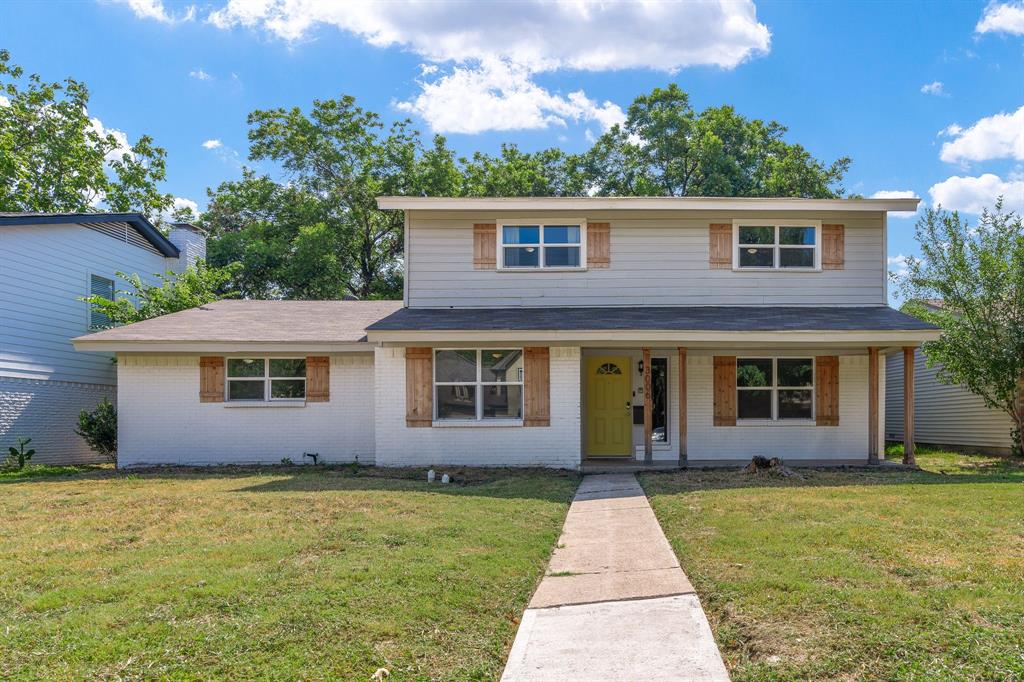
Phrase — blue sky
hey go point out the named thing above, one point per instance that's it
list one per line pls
(926, 98)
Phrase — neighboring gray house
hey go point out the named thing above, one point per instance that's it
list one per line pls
(558, 332)
(48, 262)
(948, 416)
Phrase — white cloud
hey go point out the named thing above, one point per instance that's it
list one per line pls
(4, 102)
(973, 194)
(896, 194)
(123, 146)
(200, 75)
(897, 265)
(492, 51)
(1005, 17)
(498, 95)
(934, 88)
(995, 137)
(182, 203)
(212, 144)
(155, 10)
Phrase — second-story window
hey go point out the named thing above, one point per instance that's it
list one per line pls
(782, 246)
(538, 246)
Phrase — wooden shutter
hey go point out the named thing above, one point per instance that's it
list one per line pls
(419, 387)
(318, 379)
(211, 379)
(485, 246)
(725, 390)
(720, 247)
(826, 390)
(537, 386)
(832, 247)
(599, 246)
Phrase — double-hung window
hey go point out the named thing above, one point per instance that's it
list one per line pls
(781, 246)
(478, 384)
(540, 245)
(266, 379)
(775, 388)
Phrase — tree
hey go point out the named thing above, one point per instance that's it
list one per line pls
(665, 148)
(55, 158)
(514, 173)
(978, 274)
(197, 285)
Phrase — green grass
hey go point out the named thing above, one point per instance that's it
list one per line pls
(275, 573)
(851, 575)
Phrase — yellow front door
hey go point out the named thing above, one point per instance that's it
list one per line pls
(609, 423)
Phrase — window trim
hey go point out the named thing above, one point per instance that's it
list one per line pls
(775, 246)
(541, 223)
(775, 388)
(479, 385)
(266, 378)
(90, 308)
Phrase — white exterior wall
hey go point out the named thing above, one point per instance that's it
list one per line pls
(657, 258)
(847, 441)
(555, 446)
(161, 421)
(943, 414)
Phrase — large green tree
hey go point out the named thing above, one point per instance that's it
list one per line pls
(978, 275)
(666, 148)
(55, 158)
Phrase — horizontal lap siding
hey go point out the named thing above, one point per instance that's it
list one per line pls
(848, 440)
(162, 421)
(557, 445)
(655, 260)
(946, 415)
(43, 273)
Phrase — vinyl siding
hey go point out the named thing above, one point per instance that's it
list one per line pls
(657, 258)
(44, 270)
(943, 414)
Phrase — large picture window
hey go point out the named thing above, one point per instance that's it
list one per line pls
(789, 246)
(775, 388)
(478, 384)
(266, 379)
(540, 246)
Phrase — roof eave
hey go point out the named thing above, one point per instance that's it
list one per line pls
(643, 203)
(136, 220)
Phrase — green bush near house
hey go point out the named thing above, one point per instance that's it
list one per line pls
(99, 429)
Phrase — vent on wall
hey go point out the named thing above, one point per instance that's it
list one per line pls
(100, 286)
(123, 232)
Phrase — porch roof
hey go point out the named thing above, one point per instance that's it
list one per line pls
(653, 318)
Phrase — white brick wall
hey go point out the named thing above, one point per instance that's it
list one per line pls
(47, 412)
(555, 446)
(161, 421)
(849, 440)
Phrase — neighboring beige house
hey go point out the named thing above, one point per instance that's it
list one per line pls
(555, 332)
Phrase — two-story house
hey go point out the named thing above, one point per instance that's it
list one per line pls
(48, 263)
(547, 332)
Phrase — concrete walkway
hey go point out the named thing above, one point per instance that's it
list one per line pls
(614, 605)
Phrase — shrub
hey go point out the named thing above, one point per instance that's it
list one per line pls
(17, 456)
(99, 429)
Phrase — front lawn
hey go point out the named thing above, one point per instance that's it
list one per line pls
(274, 573)
(857, 574)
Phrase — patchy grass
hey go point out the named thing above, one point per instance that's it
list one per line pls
(38, 470)
(272, 573)
(857, 574)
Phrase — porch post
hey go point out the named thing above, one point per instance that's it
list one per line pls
(873, 405)
(648, 407)
(682, 405)
(908, 405)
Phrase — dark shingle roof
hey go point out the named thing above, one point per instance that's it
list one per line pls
(667, 318)
(138, 221)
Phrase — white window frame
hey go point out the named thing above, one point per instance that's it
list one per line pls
(90, 308)
(541, 223)
(266, 379)
(775, 246)
(479, 385)
(775, 388)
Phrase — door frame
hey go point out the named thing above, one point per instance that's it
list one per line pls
(626, 361)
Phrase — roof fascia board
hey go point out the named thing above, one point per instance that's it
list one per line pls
(875, 338)
(644, 203)
(218, 347)
(136, 220)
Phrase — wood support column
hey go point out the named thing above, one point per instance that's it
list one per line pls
(682, 404)
(873, 405)
(908, 405)
(648, 408)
